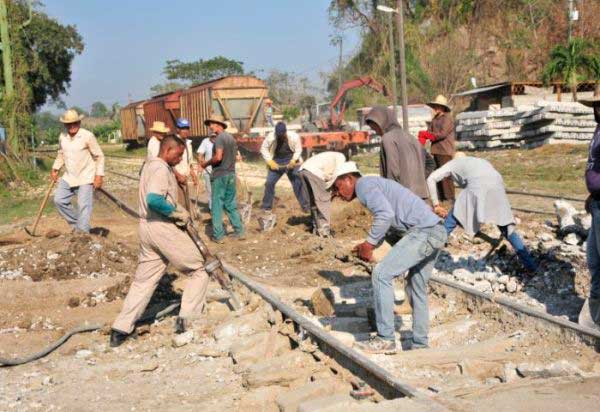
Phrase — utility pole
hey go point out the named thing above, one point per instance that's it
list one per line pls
(340, 41)
(393, 66)
(400, 23)
(570, 19)
(9, 87)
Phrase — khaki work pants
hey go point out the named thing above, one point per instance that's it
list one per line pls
(162, 243)
(320, 202)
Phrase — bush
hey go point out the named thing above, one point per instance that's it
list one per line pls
(290, 113)
(105, 131)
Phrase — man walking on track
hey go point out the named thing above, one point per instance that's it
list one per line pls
(224, 197)
(82, 157)
(162, 242)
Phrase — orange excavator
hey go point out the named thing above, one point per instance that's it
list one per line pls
(332, 134)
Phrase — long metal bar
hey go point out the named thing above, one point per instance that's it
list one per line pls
(544, 195)
(522, 309)
(119, 203)
(379, 379)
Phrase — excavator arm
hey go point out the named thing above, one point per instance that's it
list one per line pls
(338, 116)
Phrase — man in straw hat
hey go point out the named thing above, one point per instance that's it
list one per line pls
(82, 157)
(159, 130)
(401, 157)
(223, 180)
(396, 210)
(590, 313)
(441, 132)
(482, 200)
(162, 242)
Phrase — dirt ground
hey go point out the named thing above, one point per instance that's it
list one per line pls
(58, 281)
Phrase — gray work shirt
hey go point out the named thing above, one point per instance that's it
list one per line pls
(226, 142)
(392, 206)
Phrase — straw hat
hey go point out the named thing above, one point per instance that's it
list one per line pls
(591, 102)
(343, 169)
(159, 127)
(440, 100)
(216, 118)
(71, 116)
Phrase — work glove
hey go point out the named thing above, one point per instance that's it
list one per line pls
(180, 216)
(292, 164)
(424, 135)
(364, 251)
(272, 164)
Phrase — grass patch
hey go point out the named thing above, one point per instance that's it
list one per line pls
(122, 150)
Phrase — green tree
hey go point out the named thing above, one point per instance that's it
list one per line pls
(166, 87)
(99, 109)
(202, 70)
(568, 63)
(594, 67)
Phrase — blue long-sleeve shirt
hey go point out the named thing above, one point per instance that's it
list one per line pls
(392, 205)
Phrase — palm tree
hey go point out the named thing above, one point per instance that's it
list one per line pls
(568, 63)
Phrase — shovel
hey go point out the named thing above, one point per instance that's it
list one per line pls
(42, 206)
(213, 265)
(245, 207)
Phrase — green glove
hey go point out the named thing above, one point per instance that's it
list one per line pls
(273, 165)
(180, 216)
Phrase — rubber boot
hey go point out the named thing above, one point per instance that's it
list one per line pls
(526, 258)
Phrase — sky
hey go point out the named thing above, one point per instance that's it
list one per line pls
(127, 42)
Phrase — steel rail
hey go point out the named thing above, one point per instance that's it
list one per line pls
(543, 195)
(519, 308)
(124, 175)
(377, 377)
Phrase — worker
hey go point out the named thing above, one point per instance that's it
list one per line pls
(395, 209)
(482, 200)
(205, 151)
(317, 176)
(401, 156)
(82, 157)
(269, 112)
(443, 139)
(282, 151)
(590, 313)
(159, 130)
(223, 180)
(162, 242)
(184, 170)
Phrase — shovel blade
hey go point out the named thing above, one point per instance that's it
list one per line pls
(267, 222)
(30, 233)
(245, 213)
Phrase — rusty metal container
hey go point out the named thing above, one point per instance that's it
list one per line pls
(132, 122)
(164, 108)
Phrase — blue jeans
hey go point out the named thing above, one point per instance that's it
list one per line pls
(224, 198)
(78, 220)
(593, 251)
(272, 179)
(416, 253)
(509, 234)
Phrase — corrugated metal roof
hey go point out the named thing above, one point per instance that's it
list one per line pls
(482, 89)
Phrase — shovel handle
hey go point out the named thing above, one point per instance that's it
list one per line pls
(42, 206)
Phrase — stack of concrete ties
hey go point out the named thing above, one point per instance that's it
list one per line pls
(526, 126)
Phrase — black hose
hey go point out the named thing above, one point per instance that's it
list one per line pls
(81, 329)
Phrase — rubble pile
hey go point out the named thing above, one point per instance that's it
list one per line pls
(67, 256)
(526, 126)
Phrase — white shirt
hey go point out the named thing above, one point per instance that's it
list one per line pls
(323, 165)
(267, 149)
(153, 148)
(183, 167)
(81, 156)
(206, 149)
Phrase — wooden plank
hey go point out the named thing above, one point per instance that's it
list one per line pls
(254, 112)
(242, 93)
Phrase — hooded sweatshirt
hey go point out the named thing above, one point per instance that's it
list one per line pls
(401, 155)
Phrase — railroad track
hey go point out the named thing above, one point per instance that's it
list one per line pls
(479, 342)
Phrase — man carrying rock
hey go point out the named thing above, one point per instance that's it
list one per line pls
(590, 313)
(482, 200)
(282, 151)
(223, 180)
(82, 157)
(162, 242)
(401, 157)
(159, 131)
(395, 209)
(317, 175)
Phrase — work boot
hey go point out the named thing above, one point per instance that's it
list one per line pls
(117, 338)
(218, 241)
(377, 345)
(239, 236)
(179, 325)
